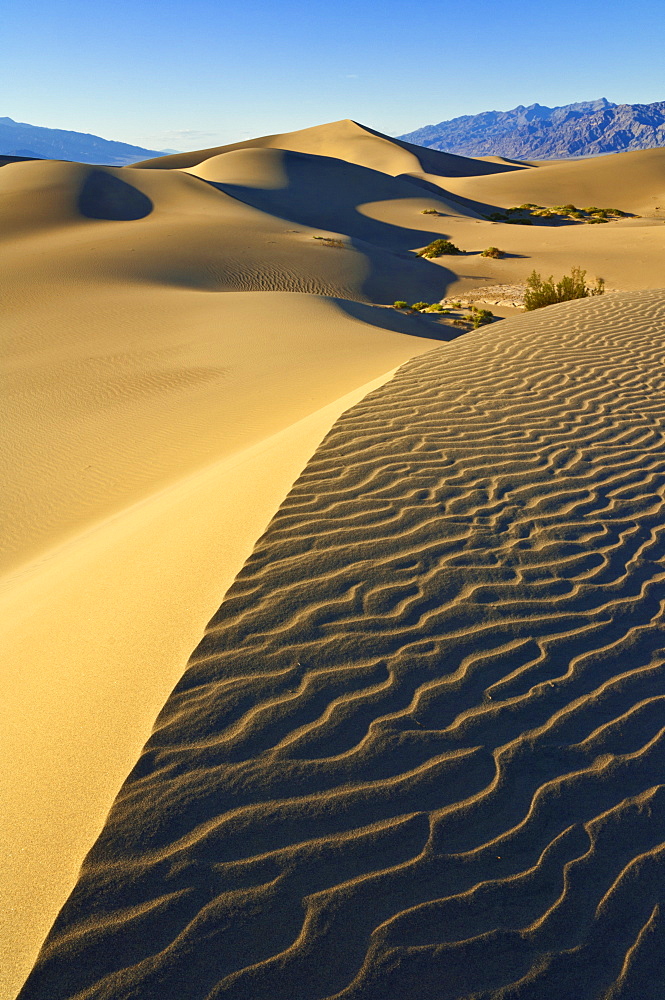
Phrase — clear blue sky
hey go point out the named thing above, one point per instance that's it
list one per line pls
(192, 73)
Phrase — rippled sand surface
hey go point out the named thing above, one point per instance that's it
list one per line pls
(419, 750)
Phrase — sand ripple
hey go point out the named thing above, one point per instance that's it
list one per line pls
(420, 750)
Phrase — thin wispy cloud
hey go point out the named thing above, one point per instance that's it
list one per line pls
(183, 135)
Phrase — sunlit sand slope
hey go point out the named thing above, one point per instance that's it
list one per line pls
(420, 750)
(171, 357)
(632, 181)
(353, 142)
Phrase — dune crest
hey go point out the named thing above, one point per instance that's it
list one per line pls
(419, 750)
(178, 336)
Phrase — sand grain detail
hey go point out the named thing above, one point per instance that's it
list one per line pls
(419, 751)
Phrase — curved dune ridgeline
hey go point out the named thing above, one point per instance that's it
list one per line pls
(418, 743)
(419, 751)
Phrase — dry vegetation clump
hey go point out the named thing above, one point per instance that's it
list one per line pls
(329, 241)
(522, 215)
(541, 292)
(421, 307)
(493, 252)
(440, 248)
(431, 211)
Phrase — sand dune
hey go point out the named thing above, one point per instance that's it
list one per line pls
(478, 538)
(636, 180)
(354, 143)
(419, 750)
(163, 344)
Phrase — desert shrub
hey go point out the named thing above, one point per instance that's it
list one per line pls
(596, 220)
(436, 307)
(482, 317)
(543, 213)
(430, 211)
(520, 222)
(529, 205)
(456, 305)
(400, 304)
(497, 217)
(576, 215)
(440, 248)
(541, 292)
(492, 252)
(419, 306)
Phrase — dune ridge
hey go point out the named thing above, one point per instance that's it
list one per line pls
(169, 331)
(172, 355)
(419, 750)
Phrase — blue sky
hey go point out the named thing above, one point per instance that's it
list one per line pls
(191, 74)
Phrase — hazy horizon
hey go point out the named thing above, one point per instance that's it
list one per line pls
(202, 74)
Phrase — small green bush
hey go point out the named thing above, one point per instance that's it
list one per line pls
(497, 217)
(596, 221)
(482, 317)
(529, 205)
(436, 307)
(545, 293)
(493, 252)
(520, 222)
(430, 211)
(440, 248)
(400, 304)
(419, 306)
(456, 305)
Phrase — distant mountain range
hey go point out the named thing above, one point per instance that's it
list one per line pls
(541, 133)
(21, 139)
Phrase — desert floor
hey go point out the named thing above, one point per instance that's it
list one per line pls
(418, 750)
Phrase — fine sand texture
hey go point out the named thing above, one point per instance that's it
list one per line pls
(172, 356)
(177, 339)
(419, 750)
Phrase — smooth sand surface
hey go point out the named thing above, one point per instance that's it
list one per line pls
(94, 637)
(419, 751)
(178, 338)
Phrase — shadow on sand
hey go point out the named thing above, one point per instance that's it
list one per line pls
(105, 196)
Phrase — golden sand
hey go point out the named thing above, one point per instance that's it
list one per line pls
(425, 718)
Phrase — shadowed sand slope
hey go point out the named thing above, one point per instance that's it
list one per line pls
(419, 751)
(355, 143)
